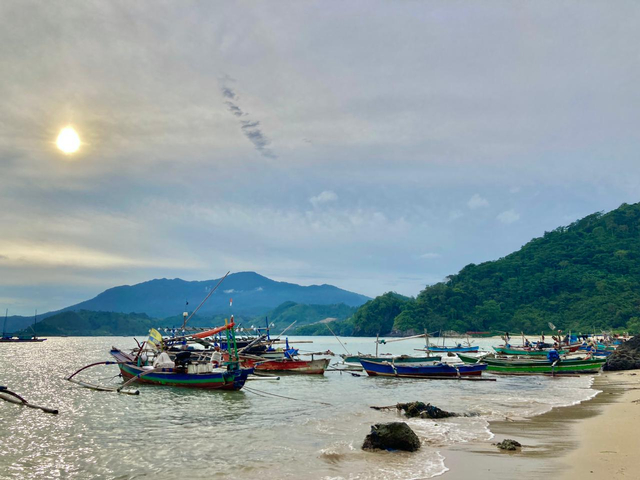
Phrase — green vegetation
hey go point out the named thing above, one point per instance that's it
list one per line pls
(582, 277)
(88, 323)
(288, 312)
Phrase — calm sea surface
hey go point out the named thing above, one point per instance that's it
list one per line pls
(168, 433)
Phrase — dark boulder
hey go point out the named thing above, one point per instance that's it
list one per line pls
(391, 436)
(423, 410)
(508, 444)
(626, 357)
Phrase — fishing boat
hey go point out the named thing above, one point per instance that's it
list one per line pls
(8, 338)
(153, 363)
(421, 370)
(527, 366)
(289, 365)
(456, 349)
(355, 359)
(527, 351)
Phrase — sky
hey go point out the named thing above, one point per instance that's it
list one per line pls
(372, 145)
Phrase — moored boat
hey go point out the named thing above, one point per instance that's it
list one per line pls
(526, 366)
(527, 351)
(192, 375)
(421, 370)
(355, 359)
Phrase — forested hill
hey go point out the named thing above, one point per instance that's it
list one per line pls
(579, 277)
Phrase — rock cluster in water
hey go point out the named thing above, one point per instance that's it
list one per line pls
(626, 357)
(508, 444)
(423, 410)
(391, 436)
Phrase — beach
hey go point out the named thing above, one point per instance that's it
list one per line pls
(608, 442)
(596, 438)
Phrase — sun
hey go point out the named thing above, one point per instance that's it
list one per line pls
(68, 140)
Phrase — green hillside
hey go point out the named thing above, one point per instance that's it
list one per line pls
(303, 314)
(88, 323)
(581, 277)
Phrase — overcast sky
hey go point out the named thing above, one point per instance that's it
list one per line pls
(372, 145)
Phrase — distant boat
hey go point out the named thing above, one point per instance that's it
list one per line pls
(8, 338)
(421, 370)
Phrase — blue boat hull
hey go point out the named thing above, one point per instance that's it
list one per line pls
(386, 369)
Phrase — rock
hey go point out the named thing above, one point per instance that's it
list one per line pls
(422, 410)
(626, 357)
(508, 444)
(391, 436)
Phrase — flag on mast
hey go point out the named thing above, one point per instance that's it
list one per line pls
(231, 302)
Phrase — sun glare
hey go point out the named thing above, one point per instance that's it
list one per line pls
(68, 140)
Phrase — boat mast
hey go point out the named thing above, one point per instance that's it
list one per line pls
(35, 320)
(4, 327)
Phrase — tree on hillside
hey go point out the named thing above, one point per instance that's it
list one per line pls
(376, 317)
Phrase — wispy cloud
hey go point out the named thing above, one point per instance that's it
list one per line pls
(326, 196)
(477, 202)
(250, 128)
(508, 216)
(430, 255)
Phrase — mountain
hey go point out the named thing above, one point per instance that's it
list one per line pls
(582, 277)
(251, 293)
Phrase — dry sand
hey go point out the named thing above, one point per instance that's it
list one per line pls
(609, 443)
(595, 439)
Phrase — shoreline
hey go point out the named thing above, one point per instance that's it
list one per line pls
(594, 437)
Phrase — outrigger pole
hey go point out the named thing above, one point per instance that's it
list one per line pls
(12, 397)
(100, 388)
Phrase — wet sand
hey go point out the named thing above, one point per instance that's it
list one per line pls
(595, 438)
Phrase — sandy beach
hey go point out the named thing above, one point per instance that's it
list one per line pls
(608, 442)
(595, 438)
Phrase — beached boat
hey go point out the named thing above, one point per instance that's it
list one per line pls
(421, 370)
(526, 366)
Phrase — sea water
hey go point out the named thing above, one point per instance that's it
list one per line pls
(309, 427)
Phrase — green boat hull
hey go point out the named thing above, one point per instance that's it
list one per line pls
(536, 367)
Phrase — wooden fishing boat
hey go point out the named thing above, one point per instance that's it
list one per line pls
(289, 365)
(527, 351)
(9, 338)
(526, 366)
(21, 340)
(456, 349)
(421, 370)
(192, 375)
(355, 359)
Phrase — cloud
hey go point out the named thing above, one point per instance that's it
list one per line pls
(231, 290)
(508, 216)
(430, 255)
(454, 215)
(250, 128)
(477, 202)
(326, 196)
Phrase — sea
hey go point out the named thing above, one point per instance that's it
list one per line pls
(298, 427)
